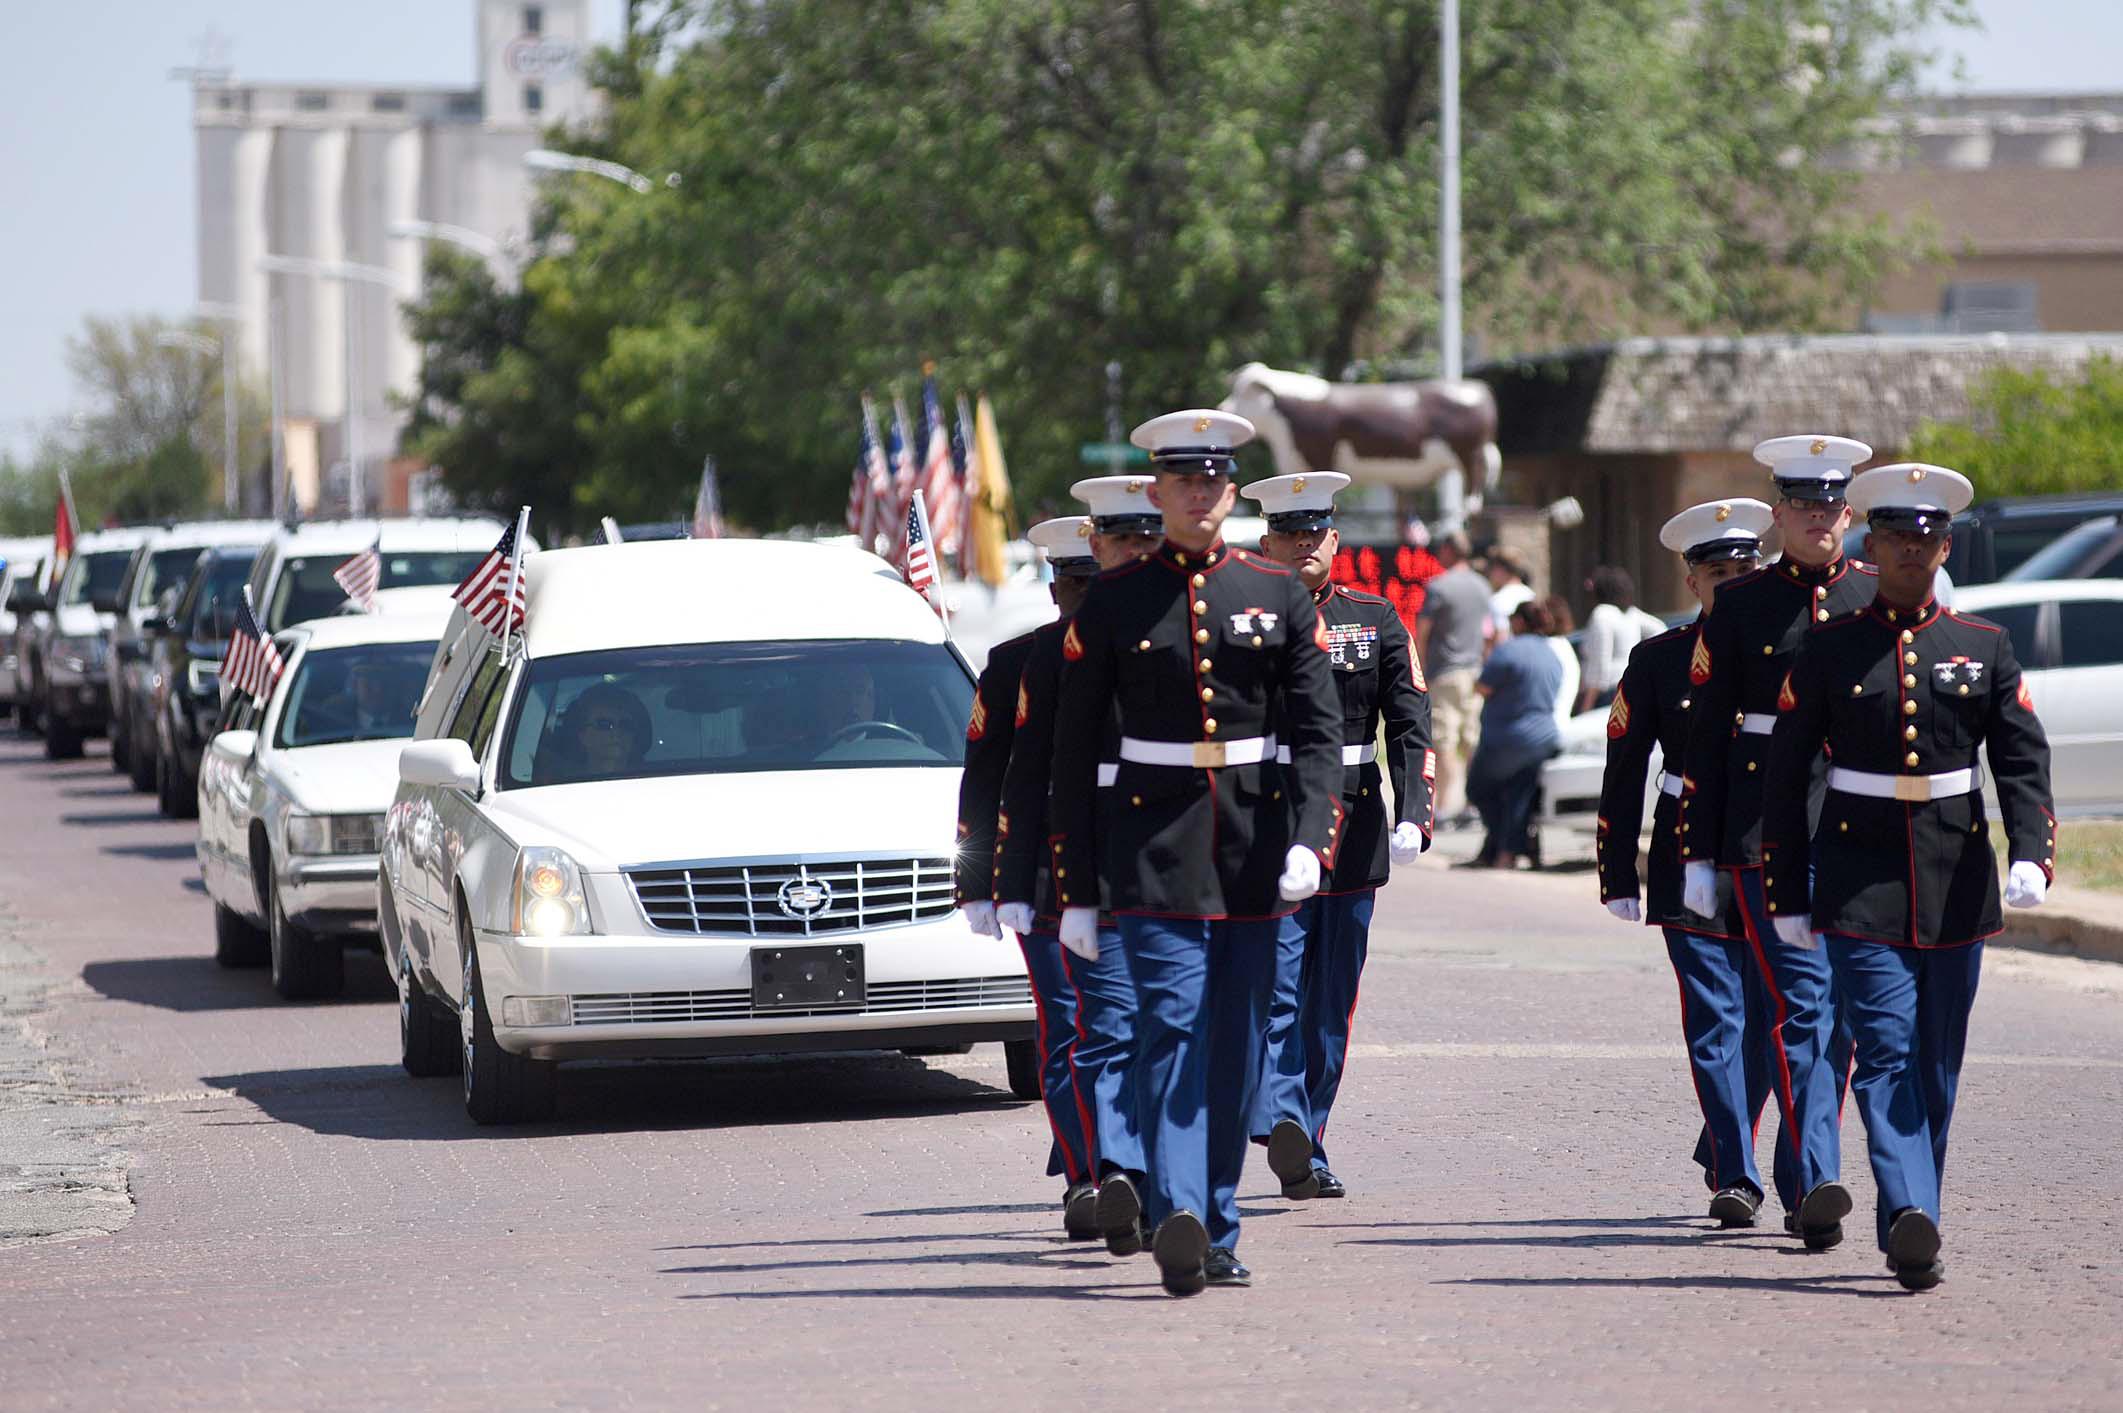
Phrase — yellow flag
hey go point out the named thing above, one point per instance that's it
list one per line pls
(990, 513)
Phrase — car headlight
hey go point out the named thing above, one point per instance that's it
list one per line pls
(203, 676)
(319, 834)
(550, 899)
(79, 654)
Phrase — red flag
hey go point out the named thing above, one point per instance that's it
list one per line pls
(63, 529)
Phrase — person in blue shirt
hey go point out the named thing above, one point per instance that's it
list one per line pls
(1519, 686)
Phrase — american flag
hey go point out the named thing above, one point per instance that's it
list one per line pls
(939, 476)
(64, 523)
(921, 562)
(906, 479)
(362, 575)
(492, 594)
(252, 664)
(707, 505)
(877, 507)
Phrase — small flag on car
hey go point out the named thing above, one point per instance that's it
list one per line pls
(921, 557)
(492, 594)
(362, 575)
(253, 664)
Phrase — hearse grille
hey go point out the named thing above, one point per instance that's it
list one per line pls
(885, 997)
(794, 899)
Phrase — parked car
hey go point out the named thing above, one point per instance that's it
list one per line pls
(292, 579)
(292, 793)
(2092, 549)
(21, 577)
(148, 593)
(184, 678)
(677, 825)
(2068, 636)
(68, 651)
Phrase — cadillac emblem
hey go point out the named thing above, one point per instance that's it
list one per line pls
(805, 897)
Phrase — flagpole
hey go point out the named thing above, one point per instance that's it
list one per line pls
(509, 637)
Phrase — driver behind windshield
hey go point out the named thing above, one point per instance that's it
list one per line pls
(849, 695)
(604, 733)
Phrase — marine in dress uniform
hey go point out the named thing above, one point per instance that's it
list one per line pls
(1215, 657)
(989, 734)
(1723, 1010)
(1736, 668)
(1898, 874)
(1122, 528)
(1320, 948)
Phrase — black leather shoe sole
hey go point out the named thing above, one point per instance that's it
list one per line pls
(1912, 1242)
(1129, 1242)
(1733, 1207)
(1920, 1278)
(1120, 1209)
(1079, 1214)
(1182, 1244)
(1290, 1159)
(1821, 1215)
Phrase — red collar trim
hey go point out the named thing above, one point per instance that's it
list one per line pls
(1911, 618)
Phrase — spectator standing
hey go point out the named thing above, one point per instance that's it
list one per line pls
(1561, 623)
(1519, 685)
(1612, 631)
(1507, 590)
(1449, 639)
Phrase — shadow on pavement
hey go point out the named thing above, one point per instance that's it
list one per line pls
(193, 884)
(1586, 1240)
(169, 852)
(382, 1102)
(1114, 1291)
(200, 983)
(875, 1240)
(1024, 1260)
(100, 792)
(1573, 1222)
(1880, 1287)
(995, 1208)
(106, 820)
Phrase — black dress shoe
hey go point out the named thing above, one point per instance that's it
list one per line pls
(1221, 1267)
(1735, 1206)
(1128, 1242)
(1120, 1213)
(1180, 1248)
(1290, 1159)
(1079, 1212)
(1330, 1185)
(1820, 1216)
(1913, 1249)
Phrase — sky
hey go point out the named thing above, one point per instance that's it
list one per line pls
(96, 139)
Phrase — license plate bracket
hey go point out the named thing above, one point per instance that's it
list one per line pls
(826, 977)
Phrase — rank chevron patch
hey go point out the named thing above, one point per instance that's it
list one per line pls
(1618, 717)
(1072, 646)
(978, 726)
(1699, 662)
(1786, 698)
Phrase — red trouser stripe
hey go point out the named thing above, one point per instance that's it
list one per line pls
(1072, 1165)
(1076, 1079)
(1786, 1105)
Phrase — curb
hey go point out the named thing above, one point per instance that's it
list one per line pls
(2067, 934)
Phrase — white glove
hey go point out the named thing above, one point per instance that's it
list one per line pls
(1301, 874)
(2026, 885)
(1797, 931)
(1626, 909)
(1408, 843)
(980, 917)
(1015, 916)
(1079, 932)
(1699, 888)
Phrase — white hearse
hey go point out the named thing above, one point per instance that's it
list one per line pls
(292, 791)
(706, 808)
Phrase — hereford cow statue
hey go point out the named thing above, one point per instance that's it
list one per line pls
(1397, 434)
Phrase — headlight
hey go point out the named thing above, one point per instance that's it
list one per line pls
(79, 654)
(317, 834)
(549, 895)
(203, 676)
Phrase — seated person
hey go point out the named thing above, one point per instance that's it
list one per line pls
(846, 696)
(604, 733)
(382, 701)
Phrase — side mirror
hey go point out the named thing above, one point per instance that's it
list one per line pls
(105, 603)
(445, 762)
(240, 744)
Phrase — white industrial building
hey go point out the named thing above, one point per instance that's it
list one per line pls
(323, 174)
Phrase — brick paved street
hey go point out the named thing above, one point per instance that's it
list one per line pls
(315, 1230)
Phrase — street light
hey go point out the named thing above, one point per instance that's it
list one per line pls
(206, 347)
(347, 272)
(544, 159)
(478, 242)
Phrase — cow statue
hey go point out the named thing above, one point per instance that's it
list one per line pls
(1395, 434)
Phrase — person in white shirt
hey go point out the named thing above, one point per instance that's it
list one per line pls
(1613, 629)
(1507, 590)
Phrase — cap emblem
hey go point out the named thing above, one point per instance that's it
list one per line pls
(1724, 513)
(1201, 424)
(1135, 488)
(1820, 444)
(1916, 474)
(1083, 531)
(1297, 487)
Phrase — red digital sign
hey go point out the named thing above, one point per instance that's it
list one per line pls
(1395, 573)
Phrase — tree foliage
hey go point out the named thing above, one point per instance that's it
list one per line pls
(2032, 433)
(1024, 190)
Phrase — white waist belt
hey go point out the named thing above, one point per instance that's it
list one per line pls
(1198, 755)
(1910, 789)
(1351, 755)
(1669, 785)
(1108, 771)
(1758, 723)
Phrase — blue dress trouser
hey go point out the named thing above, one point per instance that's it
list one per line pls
(1319, 961)
(1104, 1054)
(1909, 1011)
(1809, 1050)
(1716, 1013)
(1756, 1052)
(1054, 1006)
(1202, 988)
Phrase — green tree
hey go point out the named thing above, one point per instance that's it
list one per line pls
(1027, 189)
(2032, 433)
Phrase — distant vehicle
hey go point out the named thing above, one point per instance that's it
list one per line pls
(69, 649)
(292, 580)
(675, 825)
(21, 576)
(2092, 549)
(292, 794)
(184, 678)
(2068, 637)
(1994, 540)
(154, 579)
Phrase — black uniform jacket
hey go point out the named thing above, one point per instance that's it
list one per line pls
(1653, 706)
(1375, 668)
(1197, 647)
(980, 789)
(1022, 871)
(1737, 666)
(1905, 693)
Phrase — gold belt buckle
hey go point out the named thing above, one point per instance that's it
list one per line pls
(1913, 789)
(1209, 755)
